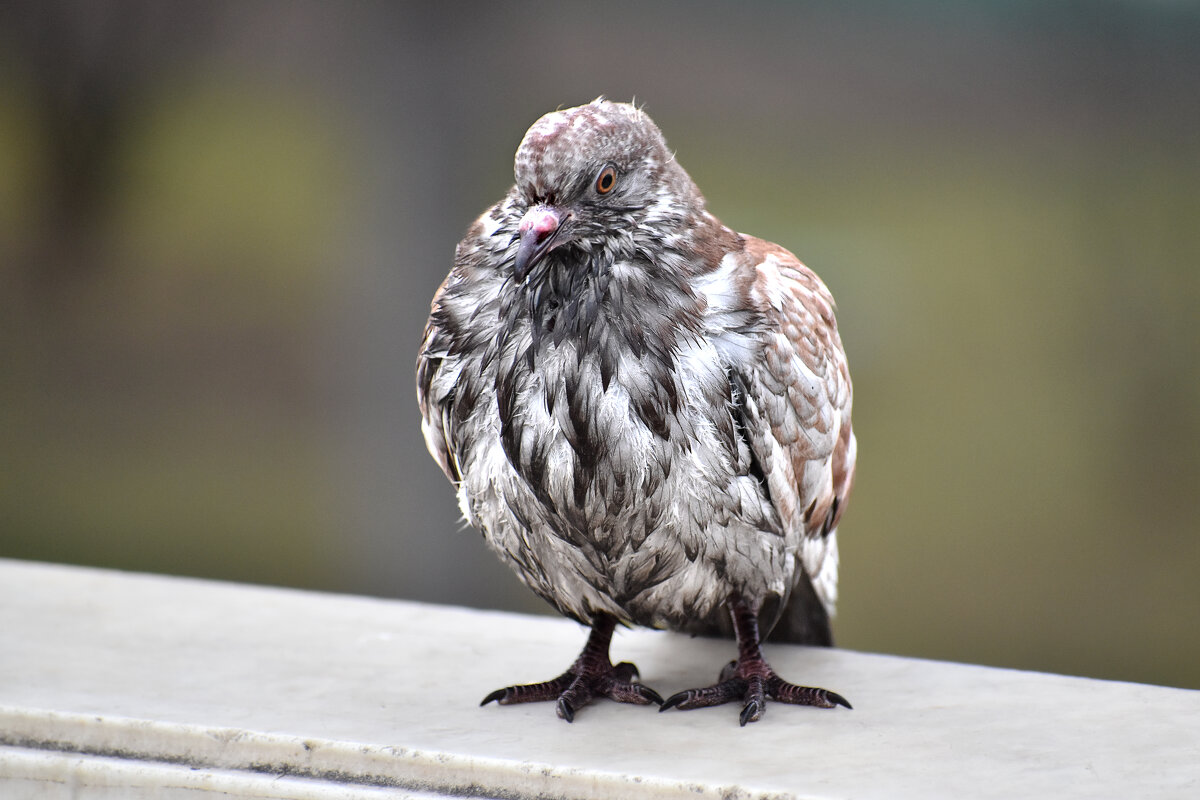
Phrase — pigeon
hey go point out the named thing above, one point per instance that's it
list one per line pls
(645, 413)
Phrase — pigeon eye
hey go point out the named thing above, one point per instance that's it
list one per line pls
(606, 180)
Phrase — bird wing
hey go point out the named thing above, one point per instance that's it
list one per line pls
(456, 338)
(437, 380)
(435, 407)
(791, 392)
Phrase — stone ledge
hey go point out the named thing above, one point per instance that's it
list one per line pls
(126, 685)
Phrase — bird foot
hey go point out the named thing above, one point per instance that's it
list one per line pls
(752, 681)
(576, 687)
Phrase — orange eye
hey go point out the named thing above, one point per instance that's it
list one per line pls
(606, 180)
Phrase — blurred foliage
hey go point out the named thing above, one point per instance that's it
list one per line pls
(159, 406)
(228, 176)
(212, 291)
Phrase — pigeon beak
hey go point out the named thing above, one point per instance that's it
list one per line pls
(538, 231)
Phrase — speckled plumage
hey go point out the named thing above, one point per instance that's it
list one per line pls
(645, 413)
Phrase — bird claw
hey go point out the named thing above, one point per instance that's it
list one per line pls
(531, 692)
(574, 689)
(750, 679)
(719, 693)
(753, 691)
(784, 692)
(751, 712)
(564, 710)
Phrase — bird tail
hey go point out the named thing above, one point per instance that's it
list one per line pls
(803, 620)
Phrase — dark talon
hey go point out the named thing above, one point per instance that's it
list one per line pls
(838, 699)
(751, 680)
(672, 701)
(650, 694)
(752, 712)
(592, 675)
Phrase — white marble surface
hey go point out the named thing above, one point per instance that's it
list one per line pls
(143, 683)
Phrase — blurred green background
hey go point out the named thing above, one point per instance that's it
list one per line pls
(221, 224)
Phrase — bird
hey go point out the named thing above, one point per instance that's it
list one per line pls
(645, 413)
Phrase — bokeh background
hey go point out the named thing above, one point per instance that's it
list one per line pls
(221, 224)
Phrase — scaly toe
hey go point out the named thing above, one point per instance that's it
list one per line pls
(751, 712)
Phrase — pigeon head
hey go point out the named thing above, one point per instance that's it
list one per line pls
(598, 178)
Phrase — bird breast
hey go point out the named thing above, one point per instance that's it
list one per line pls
(605, 466)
